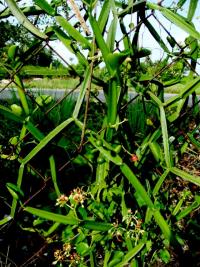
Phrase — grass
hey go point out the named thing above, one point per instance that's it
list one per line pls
(43, 71)
(55, 83)
(69, 83)
(175, 89)
(47, 83)
(38, 71)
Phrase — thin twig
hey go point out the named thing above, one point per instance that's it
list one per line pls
(34, 256)
(87, 99)
(79, 17)
(11, 261)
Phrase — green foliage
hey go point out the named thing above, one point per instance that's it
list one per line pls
(116, 181)
(12, 34)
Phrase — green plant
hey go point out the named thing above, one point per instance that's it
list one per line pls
(119, 209)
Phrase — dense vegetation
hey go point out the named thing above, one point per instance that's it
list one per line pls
(112, 183)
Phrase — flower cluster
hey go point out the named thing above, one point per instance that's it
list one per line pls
(62, 200)
(66, 255)
(76, 197)
(132, 220)
(59, 257)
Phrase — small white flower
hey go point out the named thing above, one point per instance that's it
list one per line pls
(62, 200)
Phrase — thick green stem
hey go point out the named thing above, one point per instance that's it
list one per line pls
(21, 94)
(112, 107)
(19, 182)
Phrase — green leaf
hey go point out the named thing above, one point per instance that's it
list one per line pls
(163, 123)
(80, 160)
(176, 107)
(106, 153)
(176, 19)
(34, 131)
(13, 193)
(133, 7)
(186, 176)
(194, 47)
(9, 114)
(143, 52)
(142, 192)
(117, 258)
(160, 182)
(156, 151)
(12, 51)
(189, 209)
(165, 137)
(192, 9)
(16, 109)
(53, 174)
(42, 100)
(15, 188)
(116, 59)
(171, 41)
(156, 36)
(69, 219)
(112, 34)
(46, 140)
(51, 229)
(23, 19)
(103, 17)
(64, 38)
(136, 184)
(139, 199)
(163, 225)
(164, 255)
(5, 220)
(68, 43)
(197, 199)
(97, 226)
(155, 98)
(83, 212)
(76, 35)
(181, 3)
(82, 92)
(43, 4)
(100, 40)
(28, 11)
(180, 203)
(124, 208)
(130, 255)
(83, 249)
(189, 88)
(64, 219)
(90, 3)
(126, 39)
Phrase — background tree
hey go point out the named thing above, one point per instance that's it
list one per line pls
(17, 34)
